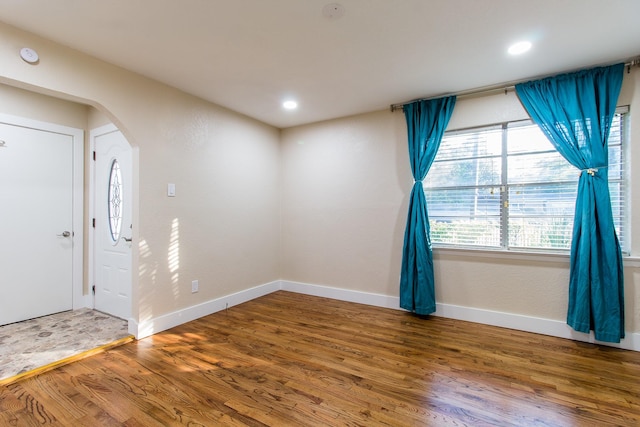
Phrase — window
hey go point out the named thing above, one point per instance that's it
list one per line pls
(506, 187)
(114, 202)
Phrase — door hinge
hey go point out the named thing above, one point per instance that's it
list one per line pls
(94, 156)
(93, 289)
(93, 222)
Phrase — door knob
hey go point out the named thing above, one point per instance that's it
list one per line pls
(128, 240)
(64, 234)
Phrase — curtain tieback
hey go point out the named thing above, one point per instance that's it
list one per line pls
(592, 171)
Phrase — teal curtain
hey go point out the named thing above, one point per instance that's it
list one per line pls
(426, 122)
(575, 111)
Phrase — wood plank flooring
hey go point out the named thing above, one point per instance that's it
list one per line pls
(294, 360)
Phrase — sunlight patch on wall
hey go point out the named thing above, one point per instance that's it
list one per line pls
(173, 257)
(148, 273)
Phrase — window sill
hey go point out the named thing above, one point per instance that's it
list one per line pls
(563, 258)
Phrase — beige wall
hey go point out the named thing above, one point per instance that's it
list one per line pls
(222, 227)
(346, 185)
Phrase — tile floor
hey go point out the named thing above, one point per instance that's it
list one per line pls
(34, 343)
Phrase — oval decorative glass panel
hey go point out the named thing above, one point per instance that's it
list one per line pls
(114, 201)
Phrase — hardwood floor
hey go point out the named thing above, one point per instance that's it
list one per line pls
(294, 360)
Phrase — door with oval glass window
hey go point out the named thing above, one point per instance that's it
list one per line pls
(113, 226)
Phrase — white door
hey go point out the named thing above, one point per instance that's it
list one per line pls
(36, 223)
(112, 212)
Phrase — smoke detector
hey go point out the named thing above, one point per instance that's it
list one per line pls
(333, 11)
(29, 55)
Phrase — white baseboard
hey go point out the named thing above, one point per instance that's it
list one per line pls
(360, 297)
(536, 325)
(554, 328)
(169, 320)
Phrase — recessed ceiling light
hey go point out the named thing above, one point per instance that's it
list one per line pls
(290, 105)
(519, 48)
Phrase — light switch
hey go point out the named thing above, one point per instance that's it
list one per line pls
(171, 190)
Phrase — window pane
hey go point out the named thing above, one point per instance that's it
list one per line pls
(615, 165)
(114, 202)
(541, 216)
(464, 202)
(469, 217)
(617, 129)
(617, 178)
(541, 200)
(616, 191)
(483, 232)
(527, 139)
(468, 172)
(541, 167)
(532, 158)
(541, 233)
(474, 143)
(467, 159)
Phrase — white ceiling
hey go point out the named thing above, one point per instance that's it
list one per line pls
(250, 55)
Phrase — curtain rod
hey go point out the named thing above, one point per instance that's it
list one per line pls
(502, 87)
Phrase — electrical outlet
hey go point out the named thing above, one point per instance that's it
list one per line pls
(194, 286)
